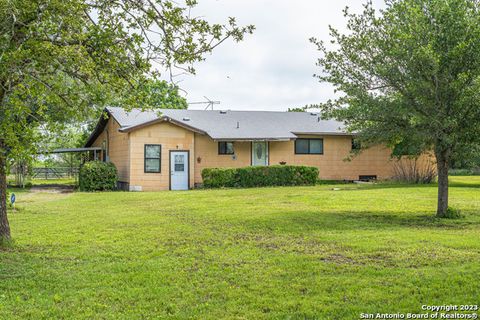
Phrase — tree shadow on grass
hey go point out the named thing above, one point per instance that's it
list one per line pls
(363, 220)
(463, 185)
(391, 185)
(382, 185)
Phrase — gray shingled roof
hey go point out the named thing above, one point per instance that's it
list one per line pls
(235, 125)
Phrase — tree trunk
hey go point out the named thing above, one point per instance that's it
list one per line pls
(4, 226)
(442, 170)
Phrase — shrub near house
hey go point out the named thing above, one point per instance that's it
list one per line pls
(98, 176)
(249, 177)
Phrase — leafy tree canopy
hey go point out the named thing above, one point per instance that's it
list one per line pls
(59, 59)
(62, 57)
(409, 73)
(155, 94)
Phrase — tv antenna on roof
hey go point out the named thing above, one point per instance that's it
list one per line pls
(209, 103)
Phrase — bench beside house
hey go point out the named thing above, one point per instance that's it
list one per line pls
(160, 151)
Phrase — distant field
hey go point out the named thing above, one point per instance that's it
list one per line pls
(39, 182)
(62, 181)
(270, 253)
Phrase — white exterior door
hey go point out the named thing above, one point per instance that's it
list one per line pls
(179, 170)
(260, 153)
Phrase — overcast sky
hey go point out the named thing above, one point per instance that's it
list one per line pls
(273, 68)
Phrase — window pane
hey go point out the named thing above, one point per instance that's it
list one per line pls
(152, 152)
(316, 146)
(301, 146)
(152, 165)
(225, 148)
(260, 150)
(179, 158)
(179, 163)
(229, 147)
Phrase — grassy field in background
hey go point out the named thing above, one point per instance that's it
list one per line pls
(270, 253)
(41, 182)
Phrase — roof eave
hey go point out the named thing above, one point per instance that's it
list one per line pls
(102, 122)
(71, 150)
(159, 120)
(325, 133)
(255, 139)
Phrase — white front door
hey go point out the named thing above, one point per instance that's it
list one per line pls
(179, 170)
(260, 153)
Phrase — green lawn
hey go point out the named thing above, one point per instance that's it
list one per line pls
(273, 253)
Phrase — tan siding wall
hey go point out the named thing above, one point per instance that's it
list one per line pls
(99, 142)
(171, 137)
(117, 148)
(373, 161)
(207, 150)
(204, 154)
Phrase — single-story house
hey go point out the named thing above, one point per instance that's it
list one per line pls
(165, 150)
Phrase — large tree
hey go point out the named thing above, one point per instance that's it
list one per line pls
(409, 74)
(61, 58)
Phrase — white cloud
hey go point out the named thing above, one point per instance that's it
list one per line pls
(273, 68)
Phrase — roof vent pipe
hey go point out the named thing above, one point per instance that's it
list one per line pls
(238, 125)
(223, 111)
(313, 114)
(186, 119)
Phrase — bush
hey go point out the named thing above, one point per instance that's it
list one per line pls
(464, 172)
(453, 213)
(98, 176)
(249, 177)
(219, 177)
(414, 170)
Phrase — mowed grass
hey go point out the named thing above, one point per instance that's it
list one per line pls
(270, 253)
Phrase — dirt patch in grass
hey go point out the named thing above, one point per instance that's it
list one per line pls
(340, 259)
(52, 188)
